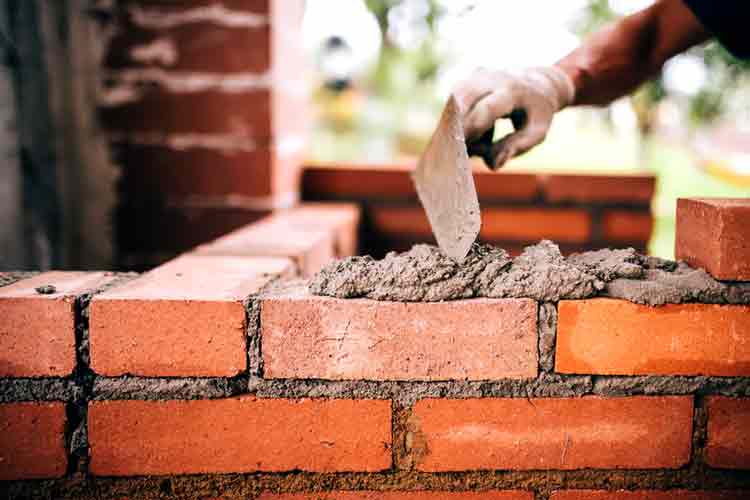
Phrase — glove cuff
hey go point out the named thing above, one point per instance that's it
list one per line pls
(563, 90)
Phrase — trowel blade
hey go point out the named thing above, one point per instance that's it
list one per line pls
(446, 187)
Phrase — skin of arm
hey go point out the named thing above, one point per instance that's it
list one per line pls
(616, 60)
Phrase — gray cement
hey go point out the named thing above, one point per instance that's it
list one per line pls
(167, 388)
(425, 274)
(14, 390)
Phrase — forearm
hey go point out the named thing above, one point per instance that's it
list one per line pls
(616, 60)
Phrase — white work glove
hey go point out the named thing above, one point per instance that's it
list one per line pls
(529, 98)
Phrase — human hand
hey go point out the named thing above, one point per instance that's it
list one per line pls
(529, 98)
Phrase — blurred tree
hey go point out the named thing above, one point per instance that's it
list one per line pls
(710, 102)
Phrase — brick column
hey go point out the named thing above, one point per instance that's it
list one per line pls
(204, 102)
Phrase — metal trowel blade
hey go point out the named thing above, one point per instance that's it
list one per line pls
(446, 187)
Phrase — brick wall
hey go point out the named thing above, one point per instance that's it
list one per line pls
(204, 104)
(518, 209)
(217, 375)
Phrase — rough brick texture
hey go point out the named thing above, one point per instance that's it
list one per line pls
(37, 335)
(555, 433)
(403, 495)
(728, 433)
(238, 435)
(32, 441)
(715, 234)
(675, 494)
(326, 338)
(185, 318)
(597, 336)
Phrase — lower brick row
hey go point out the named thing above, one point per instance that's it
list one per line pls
(247, 434)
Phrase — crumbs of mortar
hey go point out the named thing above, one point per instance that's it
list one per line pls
(425, 274)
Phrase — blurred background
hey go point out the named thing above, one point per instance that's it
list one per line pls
(131, 130)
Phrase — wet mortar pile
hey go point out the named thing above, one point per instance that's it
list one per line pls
(541, 272)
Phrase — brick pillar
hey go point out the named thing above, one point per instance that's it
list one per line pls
(204, 102)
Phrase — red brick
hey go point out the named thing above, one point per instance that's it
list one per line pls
(37, 332)
(243, 434)
(199, 46)
(255, 6)
(153, 171)
(632, 189)
(728, 433)
(185, 318)
(597, 336)
(172, 228)
(342, 218)
(243, 114)
(381, 182)
(32, 441)
(403, 495)
(648, 495)
(623, 226)
(326, 338)
(555, 433)
(714, 234)
(524, 224)
(284, 234)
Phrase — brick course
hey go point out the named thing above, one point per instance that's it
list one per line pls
(597, 336)
(728, 444)
(554, 433)
(675, 494)
(326, 338)
(238, 435)
(37, 331)
(186, 318)
(403, 495)
(32, 443)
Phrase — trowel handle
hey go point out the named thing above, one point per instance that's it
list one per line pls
(488, 150)
(482, 147)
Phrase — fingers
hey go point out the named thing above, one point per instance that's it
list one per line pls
(487, 111)
(518, 143)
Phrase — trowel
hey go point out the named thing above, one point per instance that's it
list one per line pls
(446, 188)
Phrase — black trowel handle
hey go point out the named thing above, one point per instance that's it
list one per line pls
(482, 148)
(488, 150)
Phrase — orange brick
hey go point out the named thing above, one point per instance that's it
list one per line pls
(635, 189)
(403, 495)
(597, 336)
(625, 226)
(244, 434)
(714, 234)
(555, 433)
(648, 495)
(380, 182)
(32, 441)
(503, 224)
(37, 331)
(327, 338)
(728, 433)
(311, 245)
(342, 218)
(185, 318)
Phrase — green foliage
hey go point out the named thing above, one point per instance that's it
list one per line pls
(726, 74)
